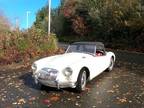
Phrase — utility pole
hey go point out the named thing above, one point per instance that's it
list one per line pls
(16, 23)
(49, 17)
(28, 12)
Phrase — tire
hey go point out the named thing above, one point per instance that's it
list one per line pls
(81, 81)
(41, 86)
(111, 65)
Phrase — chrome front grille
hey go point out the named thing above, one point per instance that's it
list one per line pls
(47, 74)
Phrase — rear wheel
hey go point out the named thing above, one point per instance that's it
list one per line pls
(111, 64)
(81, 82)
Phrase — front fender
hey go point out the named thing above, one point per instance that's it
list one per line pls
(76, 70)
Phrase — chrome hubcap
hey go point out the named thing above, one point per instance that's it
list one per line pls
(111, 64)
(83, 80)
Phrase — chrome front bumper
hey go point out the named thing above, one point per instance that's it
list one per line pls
(53, 83)
(57, 84)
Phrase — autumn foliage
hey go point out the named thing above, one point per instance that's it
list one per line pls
(69, 8)
(119, 24)
(17, 46)
(79, 26)
(78, 22)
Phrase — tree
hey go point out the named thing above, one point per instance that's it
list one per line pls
(77, 16)
(4, 30)
(116, 22)
(4, 22)
(42, 19)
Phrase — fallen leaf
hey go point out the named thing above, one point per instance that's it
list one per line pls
(78, 97)
(97, 85)
(69, 99)
(10, 84)
(13, 76)
(14, 103)
(97, 93)
(110, 91)
(122, 100)
(3, 99)
(115, 86)
(21, 101)
(54, 98)
(5, 91)
(32, 98)
(99, 102)
(1, 77)
(87, 89)
(77, 104)
(46, 101)
(16, 86)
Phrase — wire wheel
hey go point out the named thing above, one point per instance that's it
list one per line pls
(81, 82)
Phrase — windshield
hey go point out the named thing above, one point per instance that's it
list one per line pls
(81, 48)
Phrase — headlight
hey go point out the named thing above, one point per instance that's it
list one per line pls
(34, 67)
(68, 72)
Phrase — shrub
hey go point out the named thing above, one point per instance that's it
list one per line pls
(49, 43)
(17, 46)
(22, 45)
(52, 42)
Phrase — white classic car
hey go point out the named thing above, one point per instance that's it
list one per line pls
(81, 62)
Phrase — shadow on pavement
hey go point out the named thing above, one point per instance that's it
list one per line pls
(29, 82)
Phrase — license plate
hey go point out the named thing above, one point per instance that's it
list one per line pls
(42, 76)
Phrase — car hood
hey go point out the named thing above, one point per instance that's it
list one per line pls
(60, 61)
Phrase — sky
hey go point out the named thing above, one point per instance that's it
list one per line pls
(17, 9)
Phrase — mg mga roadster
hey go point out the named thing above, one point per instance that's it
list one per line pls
(81, 62)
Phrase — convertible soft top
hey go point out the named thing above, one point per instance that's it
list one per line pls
(99, 45)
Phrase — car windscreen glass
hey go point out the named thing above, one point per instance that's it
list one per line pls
(81, 48)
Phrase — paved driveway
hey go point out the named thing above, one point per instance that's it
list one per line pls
(121, 88)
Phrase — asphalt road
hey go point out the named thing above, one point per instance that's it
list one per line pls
(121, 88)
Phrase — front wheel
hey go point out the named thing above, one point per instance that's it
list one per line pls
(41, 86)
(81, 82)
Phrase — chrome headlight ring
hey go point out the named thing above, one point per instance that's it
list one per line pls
(67, 72)
(34, 67)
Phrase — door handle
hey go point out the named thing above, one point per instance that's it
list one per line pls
(83, 57)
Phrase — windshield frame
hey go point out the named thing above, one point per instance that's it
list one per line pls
(94, 53)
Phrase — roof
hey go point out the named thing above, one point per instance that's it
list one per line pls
(90, 43)
(99, 45)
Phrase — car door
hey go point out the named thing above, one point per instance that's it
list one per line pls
(98, 64)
